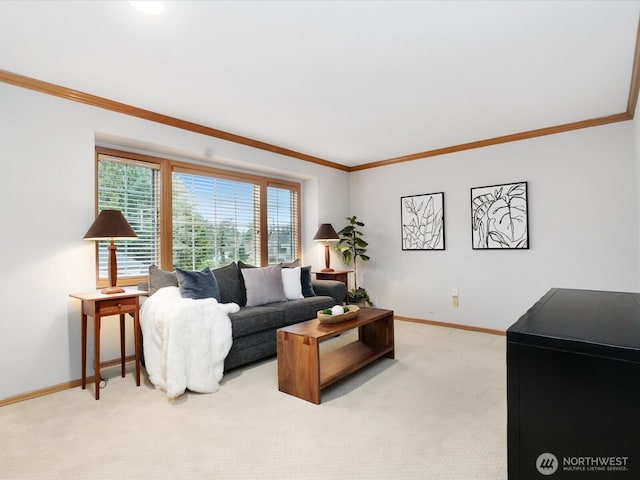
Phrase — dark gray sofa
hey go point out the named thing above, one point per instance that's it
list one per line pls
(254, 328)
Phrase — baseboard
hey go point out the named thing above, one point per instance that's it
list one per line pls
(61, 386)
(471, 328)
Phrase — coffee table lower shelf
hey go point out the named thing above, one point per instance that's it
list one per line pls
(348, 359)
(304, 372)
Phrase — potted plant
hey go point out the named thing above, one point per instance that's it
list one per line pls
(352, 246)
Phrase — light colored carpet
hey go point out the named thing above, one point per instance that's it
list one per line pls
(438, 411)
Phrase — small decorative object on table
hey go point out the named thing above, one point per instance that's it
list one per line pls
(328, 316)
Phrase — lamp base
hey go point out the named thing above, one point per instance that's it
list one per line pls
(110, 290)
(327, 270)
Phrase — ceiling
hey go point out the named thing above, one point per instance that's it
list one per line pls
(350, 82)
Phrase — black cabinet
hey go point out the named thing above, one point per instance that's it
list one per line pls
(573, 387)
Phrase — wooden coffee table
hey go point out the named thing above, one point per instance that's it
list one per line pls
(303, 372)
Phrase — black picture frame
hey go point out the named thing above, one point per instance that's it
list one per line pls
(500, 217)
(422, 221)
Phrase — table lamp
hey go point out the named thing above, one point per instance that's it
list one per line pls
(111, 225)
(326, 234)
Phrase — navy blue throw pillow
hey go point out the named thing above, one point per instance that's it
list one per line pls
(305, 280)
(197, 285)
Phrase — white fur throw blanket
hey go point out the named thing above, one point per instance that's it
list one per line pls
(185, 341)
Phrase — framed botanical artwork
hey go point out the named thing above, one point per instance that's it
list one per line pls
(422, 218)
(500, 217)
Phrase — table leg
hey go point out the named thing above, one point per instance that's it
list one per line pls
(299, 366)
(136, 339)
(379, 332)
(84, 351)
(122, 344)
(96, 350)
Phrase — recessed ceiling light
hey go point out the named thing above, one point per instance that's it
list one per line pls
(148, 7)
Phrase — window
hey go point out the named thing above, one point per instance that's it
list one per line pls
(198, 217)
(131, 186)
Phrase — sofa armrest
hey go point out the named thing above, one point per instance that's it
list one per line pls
(331, 288)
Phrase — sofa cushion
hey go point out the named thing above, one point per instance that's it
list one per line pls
(263, 285)
(250, 320)
(251, 348)
(291, 283)
(197, 285)
(161, 278)
(228, 278)
(296, 311)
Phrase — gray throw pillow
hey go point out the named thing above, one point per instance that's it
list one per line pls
(263, 285)
(161, 278)
(228, 279)
(197, 285)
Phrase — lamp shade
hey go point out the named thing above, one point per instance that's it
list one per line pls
(110, 224)
(326, 233)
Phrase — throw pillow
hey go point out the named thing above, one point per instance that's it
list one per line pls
(291, 283)
(197, 285)
(305, 278)
(263, 285)
(160, 278)
(229, 284)
(305, 282)
(243, 288)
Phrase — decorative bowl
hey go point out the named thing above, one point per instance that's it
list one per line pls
(353, 312)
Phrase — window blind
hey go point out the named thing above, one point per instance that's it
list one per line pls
(132, 187)
(282, 222)
(215, 220)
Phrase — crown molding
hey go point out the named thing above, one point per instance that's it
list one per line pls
(635, 78)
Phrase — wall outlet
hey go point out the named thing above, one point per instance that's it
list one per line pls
(454, 297)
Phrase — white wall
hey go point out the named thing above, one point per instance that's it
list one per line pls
(47, 189)
(583, 222)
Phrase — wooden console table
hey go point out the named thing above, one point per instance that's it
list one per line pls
(303, 372)
(98, 305)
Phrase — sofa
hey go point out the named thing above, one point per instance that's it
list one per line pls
(254, 325)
